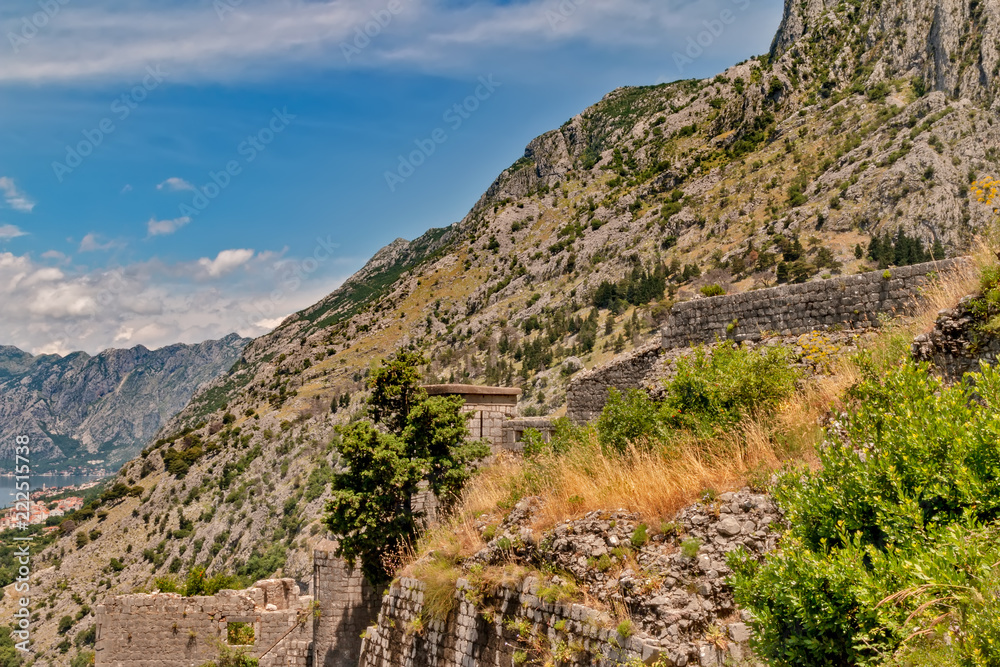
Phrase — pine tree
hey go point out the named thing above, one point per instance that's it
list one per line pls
(421, 439)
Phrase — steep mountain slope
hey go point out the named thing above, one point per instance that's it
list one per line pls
(106, 407)
(866, 119)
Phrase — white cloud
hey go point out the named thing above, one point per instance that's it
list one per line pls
(10, 232)
(14, 196)
(152, 303)
(126, 189)
(54, 254)
(225, 261)
(190, 40)
(174, 183)
(163, 227)
(271, 323)
(91, 243)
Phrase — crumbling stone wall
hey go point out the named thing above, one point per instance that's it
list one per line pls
(513, 431)
(955, 345)
(167, 630)
(290, 630)
(490, 633)
(588, 390)
(853, 302)
(671, 581)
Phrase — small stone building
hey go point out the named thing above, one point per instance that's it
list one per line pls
(491, 407)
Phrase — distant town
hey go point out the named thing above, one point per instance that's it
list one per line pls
(41, 509)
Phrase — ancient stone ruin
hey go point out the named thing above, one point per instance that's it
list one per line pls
(844, 303)
(345, 622)
(271, 621)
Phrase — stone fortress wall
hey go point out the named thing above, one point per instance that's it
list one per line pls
(493, 630)
(290, 630)
(853, 302)
(167, 630)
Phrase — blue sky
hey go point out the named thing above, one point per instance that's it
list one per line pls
(174, 171)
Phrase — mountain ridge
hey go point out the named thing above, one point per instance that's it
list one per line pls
(80, 407)
(782, 168)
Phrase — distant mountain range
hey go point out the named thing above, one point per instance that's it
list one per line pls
(79, 408)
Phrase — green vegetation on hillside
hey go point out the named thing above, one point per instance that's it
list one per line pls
(894, 542)
(710, 390)
(423, 441)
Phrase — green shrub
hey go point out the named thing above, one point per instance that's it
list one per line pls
(710, 389)
(914, 455)
(884, 536)
(86, 637)
(712, 290)
(198, 583)
(239, 634)
(81, 659)
(728, 384)
(690, 547)
(167, 584)
(628, 418)
(534, 442)
(640, 536)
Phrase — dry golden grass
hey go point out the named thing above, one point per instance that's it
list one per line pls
(655, 480)
(946, 290)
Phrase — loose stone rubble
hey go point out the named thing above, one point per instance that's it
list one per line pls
(673, 585)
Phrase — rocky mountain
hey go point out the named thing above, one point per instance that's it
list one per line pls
(867, 120)
(77, 407)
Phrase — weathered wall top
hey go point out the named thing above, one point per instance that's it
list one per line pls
(475, 393)
(853, 302)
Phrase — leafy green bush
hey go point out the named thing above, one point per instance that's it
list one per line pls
(884, 535)
(629, 418)
(710, 389)
(915, 455)
(724, 386)
(712, 290)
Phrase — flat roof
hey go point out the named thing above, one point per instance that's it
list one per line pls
(439, 389)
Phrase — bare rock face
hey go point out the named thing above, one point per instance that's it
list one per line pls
(949, 45)
(77, 408)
